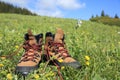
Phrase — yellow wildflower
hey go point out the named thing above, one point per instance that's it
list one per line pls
(60, 60)
(113, 60)
(36, 76)
(1, 65)
(118, 42)
(16, 46)
(87, 58)
(77, 39)
(52, 73)
(62, 68)
(48, 78)
(9, 76)
(87, 63)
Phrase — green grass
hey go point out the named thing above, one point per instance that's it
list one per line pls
(98, 41)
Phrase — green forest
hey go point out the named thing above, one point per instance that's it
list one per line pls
(9, 8)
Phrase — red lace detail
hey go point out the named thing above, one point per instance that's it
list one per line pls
(27, 46)
(30, 55)
(64, 53)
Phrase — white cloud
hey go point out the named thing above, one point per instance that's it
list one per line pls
(70, 4)
(55, 13)
(66, 4)
(52, 7)
(46, 4)
(48, 7)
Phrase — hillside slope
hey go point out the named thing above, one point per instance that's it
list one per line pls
(98, 41)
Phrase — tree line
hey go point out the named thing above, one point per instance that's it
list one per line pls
(104, 15)
(106, 19)
(9, 8)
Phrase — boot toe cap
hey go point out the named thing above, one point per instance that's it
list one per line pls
(75, 64)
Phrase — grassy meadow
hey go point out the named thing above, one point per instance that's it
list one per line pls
(98, 42)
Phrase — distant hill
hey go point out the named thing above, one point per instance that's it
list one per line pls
(9, 8)
(106, 19)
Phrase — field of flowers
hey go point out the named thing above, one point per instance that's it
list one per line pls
(96, 46)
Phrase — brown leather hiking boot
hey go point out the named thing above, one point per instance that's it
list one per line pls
(56, 48)
(31, 58)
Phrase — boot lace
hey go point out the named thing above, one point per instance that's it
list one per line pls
(56, 48)
(30, 52)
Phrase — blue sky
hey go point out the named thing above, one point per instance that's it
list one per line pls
(78, 9)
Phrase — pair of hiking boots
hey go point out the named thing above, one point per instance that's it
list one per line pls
(54, 47)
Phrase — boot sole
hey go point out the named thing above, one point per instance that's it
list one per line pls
(25, 70)
(75, 65)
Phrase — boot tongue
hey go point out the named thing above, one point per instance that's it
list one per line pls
(59, 36)
(32, 39)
